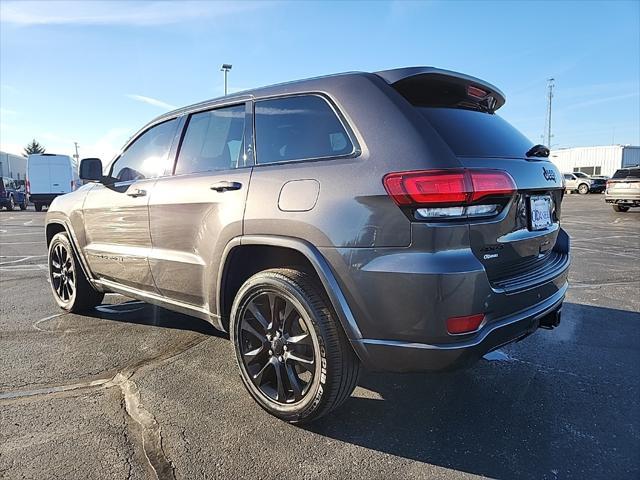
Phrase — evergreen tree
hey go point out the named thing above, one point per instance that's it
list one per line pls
(33, 147)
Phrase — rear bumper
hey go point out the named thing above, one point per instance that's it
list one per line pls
(625, 198)
(43, 197)
(398, 356)
(402, 298)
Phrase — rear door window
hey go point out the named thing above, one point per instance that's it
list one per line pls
(472, 133)
(298, 128)
(213, 141)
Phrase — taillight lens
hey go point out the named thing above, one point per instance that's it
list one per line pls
(464, 324)
(450, 193)
(28, 184)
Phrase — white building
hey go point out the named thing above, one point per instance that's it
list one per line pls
(603, 160)
(13, 166)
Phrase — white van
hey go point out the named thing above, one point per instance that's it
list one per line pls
(50, 175)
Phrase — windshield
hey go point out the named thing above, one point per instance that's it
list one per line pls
(476, 134)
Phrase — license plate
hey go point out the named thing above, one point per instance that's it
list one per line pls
(540, 211)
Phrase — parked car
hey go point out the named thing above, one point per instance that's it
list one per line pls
(389, 221)
(623, 189)
(583, 183)
(12, 194)
(48, 176)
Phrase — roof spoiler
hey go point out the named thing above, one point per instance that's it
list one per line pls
(411, 82)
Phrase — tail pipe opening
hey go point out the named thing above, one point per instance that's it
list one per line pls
(551, 320)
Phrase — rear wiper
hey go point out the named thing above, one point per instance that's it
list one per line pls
(538, 151)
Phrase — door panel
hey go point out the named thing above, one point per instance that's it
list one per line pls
(116, 214)
(117, 231)
(190, 226)
(194, 214)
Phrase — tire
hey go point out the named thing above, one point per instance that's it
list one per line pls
(70, 287)
(295, 380)
(23, 205)
(12, 203)
(583, 189)
(620, 208)
(38, 207)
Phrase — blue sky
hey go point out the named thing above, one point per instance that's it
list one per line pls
(94, 72)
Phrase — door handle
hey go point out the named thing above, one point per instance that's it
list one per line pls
(224, 186)
(137, 193)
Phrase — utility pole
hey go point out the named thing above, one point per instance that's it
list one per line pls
(550, 86)
(225, 68)
(76, 156)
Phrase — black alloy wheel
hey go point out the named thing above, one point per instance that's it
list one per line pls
(277, 347)
(293, 356)
(71, 289)
(63, 274)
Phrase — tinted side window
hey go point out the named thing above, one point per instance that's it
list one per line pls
(213, 141)
(568, 176)
(146, 157)
(296, 128)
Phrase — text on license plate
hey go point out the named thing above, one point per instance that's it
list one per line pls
(540, 211)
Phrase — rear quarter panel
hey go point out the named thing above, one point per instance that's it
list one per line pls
(352, 207)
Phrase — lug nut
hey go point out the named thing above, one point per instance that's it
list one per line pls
(285, 348)
(280, 358)
(270, 352)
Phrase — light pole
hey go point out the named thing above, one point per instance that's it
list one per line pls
(76, 156)
(225, 68)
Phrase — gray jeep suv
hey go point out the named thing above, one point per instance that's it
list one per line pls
(389, 221)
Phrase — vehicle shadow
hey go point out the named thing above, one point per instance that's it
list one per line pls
(548, 410)
(140, 313)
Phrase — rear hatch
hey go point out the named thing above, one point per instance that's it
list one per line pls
(625, 181)
(49, 174)
(517, 240)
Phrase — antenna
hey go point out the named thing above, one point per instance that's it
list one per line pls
(550, 85)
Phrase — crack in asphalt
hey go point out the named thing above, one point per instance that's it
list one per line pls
(133, 406)
(151, 434)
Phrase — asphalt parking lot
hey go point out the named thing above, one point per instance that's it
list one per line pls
(131, 386)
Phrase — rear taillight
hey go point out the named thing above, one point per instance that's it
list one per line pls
(465, 324)
(28, 184)
(450, 193)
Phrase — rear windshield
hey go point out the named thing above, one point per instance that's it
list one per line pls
(627, 173)
(471, 133)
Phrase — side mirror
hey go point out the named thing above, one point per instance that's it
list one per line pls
(91, 169)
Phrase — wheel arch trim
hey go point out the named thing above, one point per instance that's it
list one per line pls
(322, 269)
(74, 244)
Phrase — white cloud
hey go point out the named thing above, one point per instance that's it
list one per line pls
(118, 13)
(151, 101)
(597, 101)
